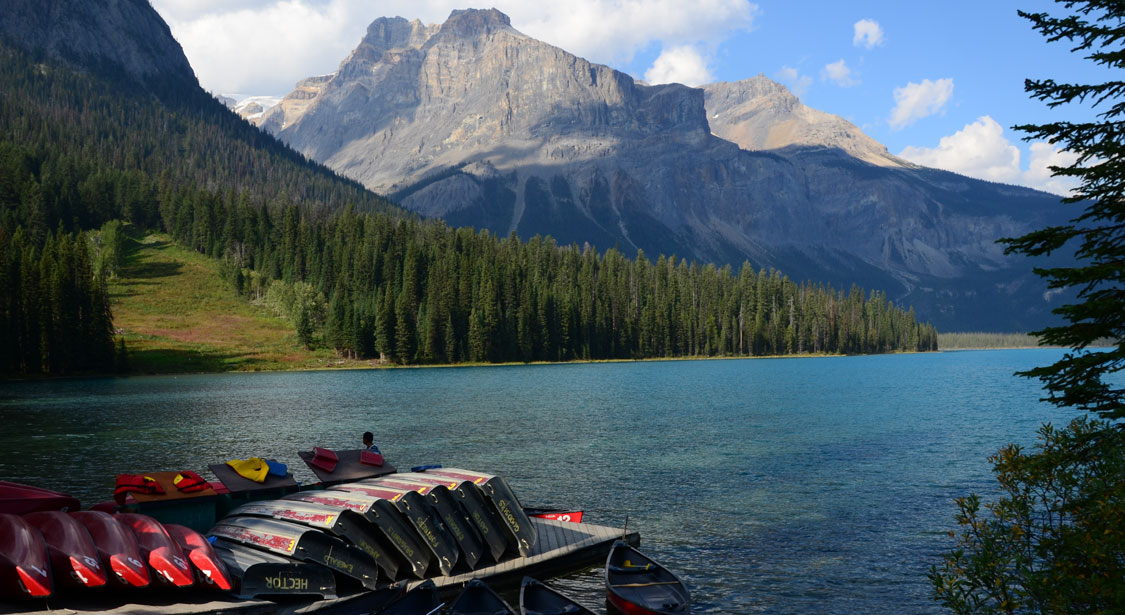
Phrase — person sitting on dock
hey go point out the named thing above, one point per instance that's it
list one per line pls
(369, 442)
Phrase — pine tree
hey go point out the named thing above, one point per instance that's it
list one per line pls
(1052, 543)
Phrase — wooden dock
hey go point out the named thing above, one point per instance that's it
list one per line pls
(561, 547)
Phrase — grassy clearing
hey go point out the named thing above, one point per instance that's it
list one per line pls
(176, 315)
(980, 340)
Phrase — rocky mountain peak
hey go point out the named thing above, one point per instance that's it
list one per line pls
(394, 33)
(761, 114)
(475, 22)
(482, 87)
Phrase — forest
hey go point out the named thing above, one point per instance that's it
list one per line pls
(81, 157)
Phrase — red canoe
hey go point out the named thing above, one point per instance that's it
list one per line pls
(558, 514)
(117, 547)
(160, 551)
(211, 569)
(20, 499)
(25, 568)
(74, 558)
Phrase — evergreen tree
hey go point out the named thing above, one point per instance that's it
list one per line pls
(1052, 543)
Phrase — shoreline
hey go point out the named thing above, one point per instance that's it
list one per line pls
(371, 365)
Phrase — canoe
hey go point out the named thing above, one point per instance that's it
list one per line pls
(338, 521)
(491, 528)
(25, 567)
(209, 568)
(159, 550)
(421, 600)
(538, 599)
(557, 514)
(427, 525)
(117, 547)
(301, 543)
(478, 599)
(384, 516)
(74, 558)
(17, 499)
(452, 515)
(503, 500)
(259, 573)
(634, 583)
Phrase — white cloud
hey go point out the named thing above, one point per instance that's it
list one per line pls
(1038, 174)
(612, 31)
(266, 46)
(981, 150)
(838, 73)
(683, 64)
(915, 101)
(794, 80)
(868, 33)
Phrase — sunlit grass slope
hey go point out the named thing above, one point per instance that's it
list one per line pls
(176, 315)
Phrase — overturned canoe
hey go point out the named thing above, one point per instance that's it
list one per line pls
(259, 573)
(478, 599)
(538, 599)
(503, 500)
(338, 521)
(25, 567)
(17, 499)
(635, 583)
(384, 516)
(301, 543)
(442, 502)
(427, 525)
(117, 547)
(482, 514)
(160, 551)
(206, 563)
(74, 557)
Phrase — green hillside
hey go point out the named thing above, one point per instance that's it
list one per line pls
(176, 314)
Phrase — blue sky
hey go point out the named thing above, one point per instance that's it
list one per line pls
(940, 83)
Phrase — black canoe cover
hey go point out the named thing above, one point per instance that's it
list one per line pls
(479, 599)
(299, 542)
(442, 502)
(538, 599)
(347, 524)
(386, 518)
(259, 573)
(504, 502)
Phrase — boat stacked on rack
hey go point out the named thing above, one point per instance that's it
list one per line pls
(377, 531)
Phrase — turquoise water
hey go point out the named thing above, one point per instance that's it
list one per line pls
(783, 485)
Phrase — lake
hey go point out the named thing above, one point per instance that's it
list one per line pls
(812, 485)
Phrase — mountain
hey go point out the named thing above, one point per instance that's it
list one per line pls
(476, 123)
(761, 114)
(125, 38)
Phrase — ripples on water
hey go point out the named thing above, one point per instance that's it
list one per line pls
(779, 485)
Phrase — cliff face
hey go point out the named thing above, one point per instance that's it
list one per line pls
(760, 114)
(476, 123)
(124, 37)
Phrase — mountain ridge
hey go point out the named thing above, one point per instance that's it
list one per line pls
(480, 125)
